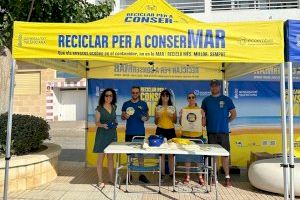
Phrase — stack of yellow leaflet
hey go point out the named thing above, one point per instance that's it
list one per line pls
(181, 141)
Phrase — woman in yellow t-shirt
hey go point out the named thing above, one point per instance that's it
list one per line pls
(192, 104)
(165, 118)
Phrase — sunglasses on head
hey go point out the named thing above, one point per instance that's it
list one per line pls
(191, 97)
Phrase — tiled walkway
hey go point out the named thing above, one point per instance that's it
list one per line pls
(77, 182)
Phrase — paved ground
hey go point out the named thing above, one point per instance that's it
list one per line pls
(74, 181)
(71, 137)
(77, 182)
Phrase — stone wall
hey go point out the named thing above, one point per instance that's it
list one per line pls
(31, 170)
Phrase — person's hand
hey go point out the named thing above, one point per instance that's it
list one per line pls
(158, 114)
(105, 126)
(171, 115)
(126, 116)
(203, 121)
(144, 118)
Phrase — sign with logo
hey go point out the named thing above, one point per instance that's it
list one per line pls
(151, 31)
(191, 120)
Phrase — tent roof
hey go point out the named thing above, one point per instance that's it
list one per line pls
(147, 6)
(150, 31)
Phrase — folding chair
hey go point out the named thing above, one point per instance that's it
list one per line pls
(201, 167)
(153, 167)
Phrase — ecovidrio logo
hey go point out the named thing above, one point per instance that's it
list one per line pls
(244, 41)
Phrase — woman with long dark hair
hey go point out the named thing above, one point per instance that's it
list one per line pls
(165, 118)
(106, 124)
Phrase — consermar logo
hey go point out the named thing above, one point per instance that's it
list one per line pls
(151, 7)
(255, 41)
(191, 117)
(151, 17)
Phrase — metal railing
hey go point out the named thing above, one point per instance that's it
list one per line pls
(186, 6)
(254, 4)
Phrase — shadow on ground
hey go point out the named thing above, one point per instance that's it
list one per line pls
(73, 155)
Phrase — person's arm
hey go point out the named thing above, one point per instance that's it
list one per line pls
(203, 112)
(203, 118)
(232, 111)
(156, 117)
(97, 120)
(147, 112)
(175, 117)
(232, 115)
(147, 116)
(116, 120)
(180, 117)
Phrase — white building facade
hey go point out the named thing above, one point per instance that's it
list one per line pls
(230, 10)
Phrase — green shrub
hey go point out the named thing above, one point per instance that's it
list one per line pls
(28, 133)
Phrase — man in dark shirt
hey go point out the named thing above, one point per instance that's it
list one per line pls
(217, 111)
(135, 112)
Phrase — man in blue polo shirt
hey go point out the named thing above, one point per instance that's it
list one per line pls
(218, 111)
(136, 113)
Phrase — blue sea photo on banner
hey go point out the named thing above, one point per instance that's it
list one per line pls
(258, 102)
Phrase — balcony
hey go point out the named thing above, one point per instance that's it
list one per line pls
(217, 5)
(186, 6)
(198, 6)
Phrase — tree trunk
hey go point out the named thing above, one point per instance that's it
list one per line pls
(5, 65)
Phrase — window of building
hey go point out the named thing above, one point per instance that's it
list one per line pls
(28, 83)
(254, 4)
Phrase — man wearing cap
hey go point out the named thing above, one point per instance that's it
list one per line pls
(217, 111)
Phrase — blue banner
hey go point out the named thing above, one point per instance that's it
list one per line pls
(255, 101)
(255, 98)
(292, 37)
(150, 91)
(270, 74)
(258, 102)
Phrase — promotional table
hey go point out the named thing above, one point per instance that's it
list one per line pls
(212, 150)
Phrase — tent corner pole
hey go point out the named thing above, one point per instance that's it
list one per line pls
(86, 110)
(284, 164)
(9, 128)
(291, 128)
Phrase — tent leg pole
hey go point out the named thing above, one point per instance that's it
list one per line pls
(9, 127)
(86, 113)
(225, 87)
(291, 127)
(283, 131)
(224, 81)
